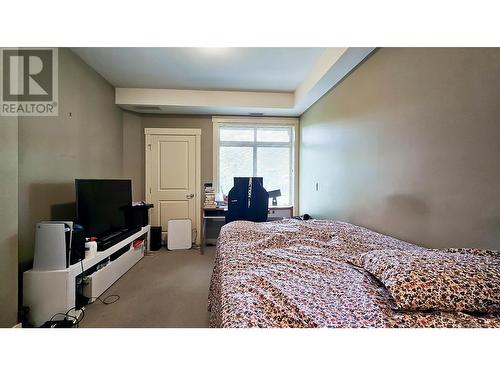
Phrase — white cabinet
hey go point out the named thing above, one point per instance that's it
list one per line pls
(46, 293)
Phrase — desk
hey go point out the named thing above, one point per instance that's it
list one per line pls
(219, 214)
(212, 214)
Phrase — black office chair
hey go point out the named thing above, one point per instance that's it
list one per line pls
(247, 200)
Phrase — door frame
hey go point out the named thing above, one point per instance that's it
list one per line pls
(148, 132)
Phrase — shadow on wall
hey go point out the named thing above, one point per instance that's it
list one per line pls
(408, 214)
(63, 211)
(45, 202)
(395, 215)
(405, 214)
(407, 204)
(492, 233)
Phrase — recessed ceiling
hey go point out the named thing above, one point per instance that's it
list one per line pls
(232, 81)
(242, 69)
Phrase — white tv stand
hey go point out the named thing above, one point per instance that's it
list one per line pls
(46, 293)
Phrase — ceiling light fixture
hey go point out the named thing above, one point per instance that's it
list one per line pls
(214, 50)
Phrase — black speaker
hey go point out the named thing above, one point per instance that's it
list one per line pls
(155, 238)
(77, 244)
(137, 216)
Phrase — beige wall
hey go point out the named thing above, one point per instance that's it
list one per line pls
(84, 141)
(8, 221)
(409, 145)
(133, 153)
(91, 138)
(133, 142)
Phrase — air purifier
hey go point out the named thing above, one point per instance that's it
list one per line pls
(179, 234)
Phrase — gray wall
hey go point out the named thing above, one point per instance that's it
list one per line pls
(133, 141)
(8, 221)
(84, 141)
(409, 145)
(133, 153)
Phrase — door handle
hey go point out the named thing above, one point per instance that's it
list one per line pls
(189, 196)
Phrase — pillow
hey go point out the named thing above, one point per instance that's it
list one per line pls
(469, 250)
(437, 280)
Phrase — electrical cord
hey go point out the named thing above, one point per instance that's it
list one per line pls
(105, 302)
(194, 246)
(75, 319)
(78, 319)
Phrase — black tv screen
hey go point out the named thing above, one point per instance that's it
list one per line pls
(100, 203)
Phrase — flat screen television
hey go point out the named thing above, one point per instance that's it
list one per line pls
(100, 205)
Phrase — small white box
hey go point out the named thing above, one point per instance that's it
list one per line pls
(179, 234)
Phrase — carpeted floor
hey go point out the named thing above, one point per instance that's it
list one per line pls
(165, 289)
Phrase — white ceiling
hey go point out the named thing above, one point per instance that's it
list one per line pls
(222, 81)
(243, 69)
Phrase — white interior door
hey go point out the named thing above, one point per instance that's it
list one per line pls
(173, 179)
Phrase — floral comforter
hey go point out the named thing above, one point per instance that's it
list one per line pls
(292, 273)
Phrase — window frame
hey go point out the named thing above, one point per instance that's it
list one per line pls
(260, 122)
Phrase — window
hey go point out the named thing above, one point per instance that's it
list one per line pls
(250, 147)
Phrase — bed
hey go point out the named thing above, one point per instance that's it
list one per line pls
(325, 273)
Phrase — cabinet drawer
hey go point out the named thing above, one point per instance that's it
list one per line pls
(99, 281)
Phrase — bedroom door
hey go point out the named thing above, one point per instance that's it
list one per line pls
(173, 177)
